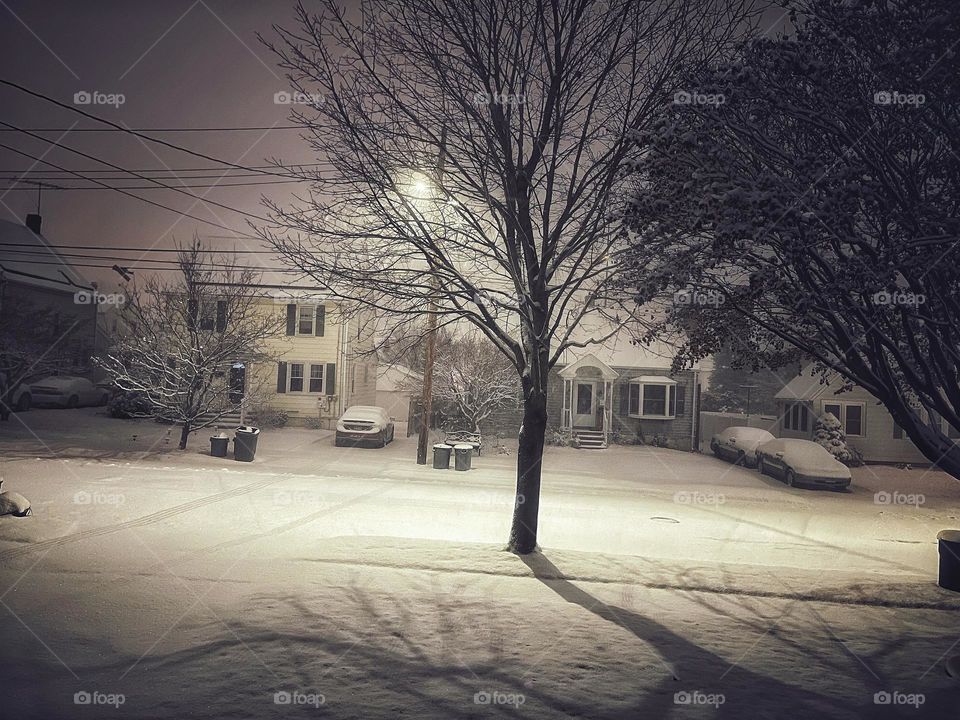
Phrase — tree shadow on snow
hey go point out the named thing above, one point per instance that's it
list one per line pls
(686, 665)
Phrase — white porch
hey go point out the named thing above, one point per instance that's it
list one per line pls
(587, 408)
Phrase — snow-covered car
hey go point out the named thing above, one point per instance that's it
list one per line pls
(802, 462)
(364, 423)
(67, 391)
(739, 444)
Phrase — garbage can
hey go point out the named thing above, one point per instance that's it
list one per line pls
(948, 542)
(463, 454)
(441, 456)
(245, 443)
(218, 445)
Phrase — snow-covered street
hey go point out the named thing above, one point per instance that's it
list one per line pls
(366, 586)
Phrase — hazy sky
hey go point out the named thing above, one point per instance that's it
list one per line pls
(177, 64)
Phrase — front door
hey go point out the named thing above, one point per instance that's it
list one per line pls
(584, 404)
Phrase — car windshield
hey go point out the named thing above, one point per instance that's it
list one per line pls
(747, 433)
(809, 451)
(363, 412)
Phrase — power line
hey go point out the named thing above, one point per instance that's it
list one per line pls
(135, 197)
(171, 170)
(213, 267)
(170, 130)
(216, 186)
(135, 133)
(130, 248)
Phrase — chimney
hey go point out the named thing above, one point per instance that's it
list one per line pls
(33, 222)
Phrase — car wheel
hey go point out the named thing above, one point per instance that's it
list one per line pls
(714, 449)
(23, 404)
(741, 459)
(760, 466)
(790, 478)
(73, 401)
(383, 439)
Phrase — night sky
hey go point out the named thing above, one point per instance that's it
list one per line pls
(178, 65)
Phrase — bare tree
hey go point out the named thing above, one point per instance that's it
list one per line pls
(184, 336)
(475, 150)
(474, 376)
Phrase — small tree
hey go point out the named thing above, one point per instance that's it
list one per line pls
(476, 378)
(829, 433)
(184, 336)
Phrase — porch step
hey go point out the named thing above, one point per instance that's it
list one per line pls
(230, 420)
(590, 439)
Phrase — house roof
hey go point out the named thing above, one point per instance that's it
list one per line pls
(392, 378)
(805, 386)
(622, 350)
(46, 268)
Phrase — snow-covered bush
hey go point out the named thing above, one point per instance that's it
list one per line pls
(829, 433)
(272, 418)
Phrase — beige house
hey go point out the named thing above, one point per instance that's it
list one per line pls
(868, 426)
(324, 365)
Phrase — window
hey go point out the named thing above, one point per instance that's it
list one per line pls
(652, 400)
(296, 377)
(850, 415)
(796, 417)
(305, 324)
(316, 378)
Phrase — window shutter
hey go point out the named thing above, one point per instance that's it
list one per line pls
(321, 316)
(625, 399)
(331, 379)
(291, 319)
(681, 399)
(221, 315)
(281, 377)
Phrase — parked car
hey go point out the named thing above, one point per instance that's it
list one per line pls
(739, 444)
(67, 391)
(802, 462)
(364, 423)
(21, 399)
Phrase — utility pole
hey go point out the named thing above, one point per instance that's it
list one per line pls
(426, 401)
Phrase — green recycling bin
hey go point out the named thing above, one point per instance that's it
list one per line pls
(463, 454)
(441, 456)
(245, 443)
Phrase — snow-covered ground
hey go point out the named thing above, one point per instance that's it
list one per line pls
(200, 587)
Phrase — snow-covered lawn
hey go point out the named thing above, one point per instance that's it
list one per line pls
(200, 587)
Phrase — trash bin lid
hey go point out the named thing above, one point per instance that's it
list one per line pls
(248, 429)
(442, 446)
(950, 536)
(463, 446)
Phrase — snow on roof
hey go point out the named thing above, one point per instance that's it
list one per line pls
(391, 378)
(47, 268)
(805, 386)
(621, 349)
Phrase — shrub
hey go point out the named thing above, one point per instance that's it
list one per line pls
(125, 404)
(557, 438)
(270, 417)
(829, 433)
(313, 423)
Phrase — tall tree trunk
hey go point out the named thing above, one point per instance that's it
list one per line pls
(184, 434)
(526, 510)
